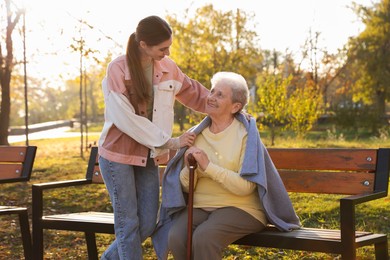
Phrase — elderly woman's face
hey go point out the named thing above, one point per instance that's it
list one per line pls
(219, 101)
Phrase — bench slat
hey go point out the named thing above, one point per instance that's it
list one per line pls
(324, 159)
(97, 176)
(7, 209)
(350, 183)
(87, 217)
(309, 239)
(10, 171)
(12, 153)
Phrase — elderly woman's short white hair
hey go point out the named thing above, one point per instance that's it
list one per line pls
(236, 82)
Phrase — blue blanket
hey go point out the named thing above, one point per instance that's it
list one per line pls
(257, 167)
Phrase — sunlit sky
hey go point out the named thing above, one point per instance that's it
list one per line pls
(281, 24)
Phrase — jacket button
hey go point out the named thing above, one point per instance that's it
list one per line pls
(143, 161)
(170, 86)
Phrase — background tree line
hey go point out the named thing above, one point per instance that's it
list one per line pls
(351, 87)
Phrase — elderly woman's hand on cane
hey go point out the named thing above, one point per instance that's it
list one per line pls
(200, 157)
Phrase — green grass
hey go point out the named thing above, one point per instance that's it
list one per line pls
(59, 159)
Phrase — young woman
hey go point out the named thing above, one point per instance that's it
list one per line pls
(140, 89)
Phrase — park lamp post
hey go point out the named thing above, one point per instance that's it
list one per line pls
(21, 7)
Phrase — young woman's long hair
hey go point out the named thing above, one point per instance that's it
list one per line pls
(153, 30)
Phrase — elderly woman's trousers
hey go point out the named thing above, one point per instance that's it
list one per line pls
(213, 231)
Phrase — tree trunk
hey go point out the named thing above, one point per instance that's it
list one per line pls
(6, 66)
(381, 104)
(5, 109)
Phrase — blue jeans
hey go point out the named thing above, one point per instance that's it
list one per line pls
(134, 194)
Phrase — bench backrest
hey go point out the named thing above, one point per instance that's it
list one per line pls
(316, 170)
(16, 163)
(333, 171)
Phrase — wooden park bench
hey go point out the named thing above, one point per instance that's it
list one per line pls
(16, 163)
(361, 175)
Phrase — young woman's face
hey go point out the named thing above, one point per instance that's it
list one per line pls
(156, 52)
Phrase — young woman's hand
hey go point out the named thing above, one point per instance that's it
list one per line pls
(187, 139)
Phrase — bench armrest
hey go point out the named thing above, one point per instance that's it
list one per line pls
(347, 214)
(60, 184)
(37, 194)
(361, 198)
(347, 204)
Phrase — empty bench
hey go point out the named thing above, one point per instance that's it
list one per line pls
(361, 175)
(16, 163)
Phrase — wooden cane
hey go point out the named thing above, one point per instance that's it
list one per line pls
(192, 163)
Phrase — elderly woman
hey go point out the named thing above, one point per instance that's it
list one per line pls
(237, 189)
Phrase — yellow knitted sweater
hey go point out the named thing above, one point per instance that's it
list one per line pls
(220, 185)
